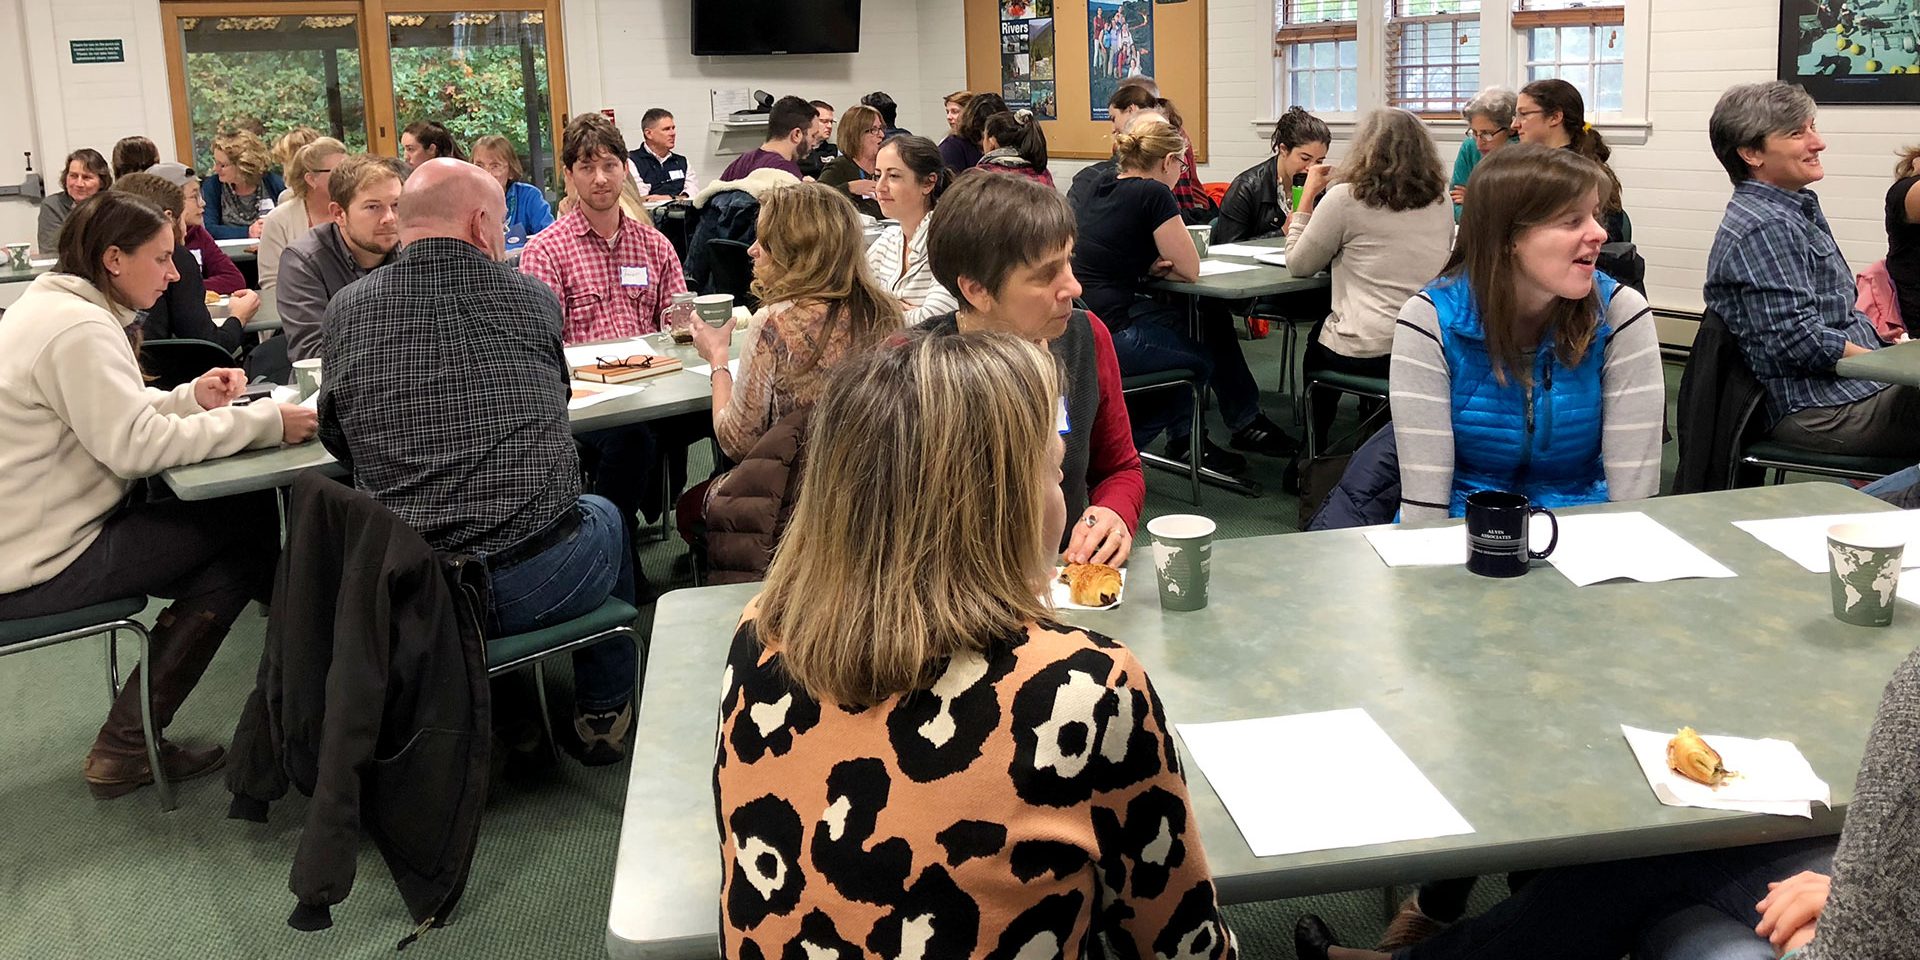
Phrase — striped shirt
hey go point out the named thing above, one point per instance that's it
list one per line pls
(1633, 406)
(1777, 278)
(910, 277)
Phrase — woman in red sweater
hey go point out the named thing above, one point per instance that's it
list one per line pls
(1003, 245)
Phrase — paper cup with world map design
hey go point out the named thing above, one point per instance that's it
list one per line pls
(1863, 563)
(1182, 556)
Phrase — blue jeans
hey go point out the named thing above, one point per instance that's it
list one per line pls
(1893, 482)
(1600, 911)
(1156, 340)
(567, 580)
(1701, 932)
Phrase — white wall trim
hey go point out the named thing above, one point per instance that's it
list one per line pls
(43, 72)
(156, 98)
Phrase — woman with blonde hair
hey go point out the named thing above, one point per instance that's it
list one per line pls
(307, 205)
(855, 171)
(1385, 227)
(285, 149)
(242, 190)
(820, 304)
(900, 660)
(527, 209)
(1130, 230)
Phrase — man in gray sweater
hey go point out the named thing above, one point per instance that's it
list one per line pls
(364, 234)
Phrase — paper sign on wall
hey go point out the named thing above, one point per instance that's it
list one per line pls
(97, 51)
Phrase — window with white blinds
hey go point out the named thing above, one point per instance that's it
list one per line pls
(1432, 54)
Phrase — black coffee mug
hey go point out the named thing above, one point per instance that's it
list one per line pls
(1497, 524)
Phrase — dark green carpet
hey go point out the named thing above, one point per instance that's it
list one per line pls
(81, 878)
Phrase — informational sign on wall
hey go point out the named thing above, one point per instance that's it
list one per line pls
(97, 51)
(1119, 45)
(1027, 57)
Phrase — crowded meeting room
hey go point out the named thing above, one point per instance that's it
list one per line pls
(1293, 479)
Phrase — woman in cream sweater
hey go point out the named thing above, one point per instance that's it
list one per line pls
(78, 425)
(1386, 228)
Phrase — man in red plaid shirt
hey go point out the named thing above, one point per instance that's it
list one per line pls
(612, 274)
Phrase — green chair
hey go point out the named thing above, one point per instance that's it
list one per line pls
(101, 619)
(1374, 387)
(1776, 460)
(611, 619)
(1188, 380)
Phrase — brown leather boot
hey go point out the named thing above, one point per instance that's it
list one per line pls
(181, 645)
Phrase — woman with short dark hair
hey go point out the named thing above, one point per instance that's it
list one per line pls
(78, 420)
(85, 174)
(1260, 199)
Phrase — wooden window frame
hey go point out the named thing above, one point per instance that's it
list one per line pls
(376, 63)
(1595, 16)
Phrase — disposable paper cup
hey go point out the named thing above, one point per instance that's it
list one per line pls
(1182, 557)
(1199, 235)
(17, 256)
(306, 375)
(715, 308)
(1863, 568)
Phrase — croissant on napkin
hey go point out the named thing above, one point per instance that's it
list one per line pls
(1690, 757)
(1091, 584)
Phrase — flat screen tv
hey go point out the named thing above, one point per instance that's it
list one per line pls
(723, 28)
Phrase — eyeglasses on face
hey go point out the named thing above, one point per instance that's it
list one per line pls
(1528, 113)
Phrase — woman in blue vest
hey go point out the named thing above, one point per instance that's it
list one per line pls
(1523, 368)
(527, 210)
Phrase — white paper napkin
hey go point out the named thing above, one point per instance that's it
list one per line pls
(1214, 268)
(1773, 775)
(1430, 547)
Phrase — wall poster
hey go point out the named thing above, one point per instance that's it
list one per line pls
(1119, 45)
(1027, 57)
(1852, 51)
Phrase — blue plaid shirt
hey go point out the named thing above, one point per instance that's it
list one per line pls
(1777, 278)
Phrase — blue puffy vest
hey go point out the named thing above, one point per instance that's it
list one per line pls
(1545, 444)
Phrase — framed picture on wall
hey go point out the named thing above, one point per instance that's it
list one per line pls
(1852, 51)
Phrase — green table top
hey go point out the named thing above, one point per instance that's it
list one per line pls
(663, 396)
(45, 264)
(1508, 694)
(1899, 363)
(1265, 280)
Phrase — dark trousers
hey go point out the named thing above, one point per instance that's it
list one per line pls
(1317, 359)
(209, 557)
(1156, 339)
(621, 460)
(1886, 424)
(1599, 911)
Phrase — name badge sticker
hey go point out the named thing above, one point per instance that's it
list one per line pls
(633, 276)
(676, 174)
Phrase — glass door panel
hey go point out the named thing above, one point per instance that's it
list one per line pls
(477, 72)
(271, 74)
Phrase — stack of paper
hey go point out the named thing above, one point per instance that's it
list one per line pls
(588, 354)
(1318, 781)
(1804, 539)
(1630, 546)
(1772, 775)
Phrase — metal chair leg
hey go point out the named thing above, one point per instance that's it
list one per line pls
(113, 666)
(160, 784)
(1307, 403)
(546, 716)
(1197, 437)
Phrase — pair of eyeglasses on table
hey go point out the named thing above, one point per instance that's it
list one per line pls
(635, 362)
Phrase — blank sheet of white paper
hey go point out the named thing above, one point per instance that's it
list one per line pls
(1804, 539)
(1214, 268)
(1429, 547)
(1318, 781)
(1630, 546)
(1236, 250)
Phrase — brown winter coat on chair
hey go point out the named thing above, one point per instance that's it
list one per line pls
(750, 504)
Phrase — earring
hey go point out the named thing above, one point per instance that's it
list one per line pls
(114, 272)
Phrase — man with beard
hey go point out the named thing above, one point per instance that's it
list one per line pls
(613, 276)
(365, 195)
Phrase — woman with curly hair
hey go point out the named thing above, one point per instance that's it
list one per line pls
(1385, 227)
(243, 189)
